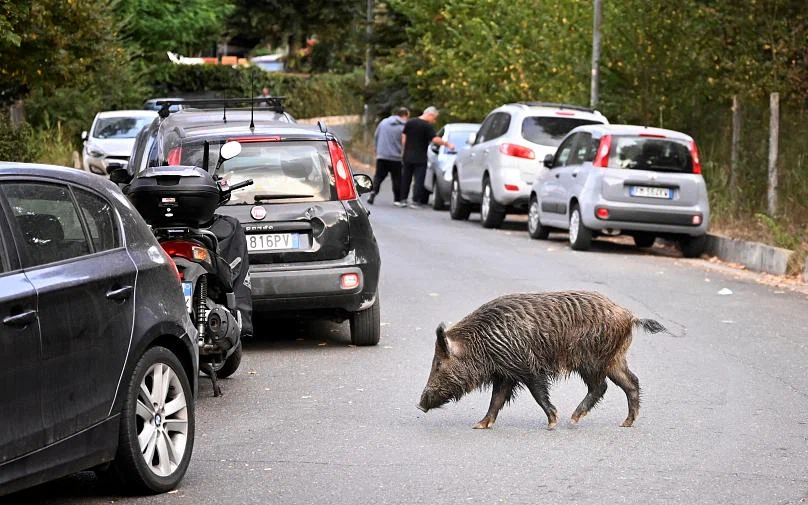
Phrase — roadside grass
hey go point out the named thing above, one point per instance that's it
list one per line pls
(53, 145)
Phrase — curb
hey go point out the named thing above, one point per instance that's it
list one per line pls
(753, 255)
(805, 273)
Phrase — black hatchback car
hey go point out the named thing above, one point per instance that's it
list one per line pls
(98, 358)
(311, 246)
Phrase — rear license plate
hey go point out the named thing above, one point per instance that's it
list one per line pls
(188, 292)
(650, 192)
(273, 241)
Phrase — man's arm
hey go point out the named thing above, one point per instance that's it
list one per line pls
(440, 142)
(403, 142)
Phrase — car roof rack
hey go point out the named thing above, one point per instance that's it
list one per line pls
(559, 106)
(275, 103)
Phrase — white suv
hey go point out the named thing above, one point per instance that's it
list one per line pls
(499, 169)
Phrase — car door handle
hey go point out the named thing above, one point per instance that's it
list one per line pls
(120, 294)
(20, 320)
(557, 175)
(575, 174)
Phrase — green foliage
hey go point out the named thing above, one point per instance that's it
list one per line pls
(16, 144)
(308, 96)
(782, 237)
(185, 26)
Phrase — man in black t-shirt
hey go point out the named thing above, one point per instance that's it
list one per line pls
(415, 139)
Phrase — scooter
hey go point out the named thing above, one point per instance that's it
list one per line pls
(178, 202)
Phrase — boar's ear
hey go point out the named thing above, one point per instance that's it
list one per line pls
(440, 331)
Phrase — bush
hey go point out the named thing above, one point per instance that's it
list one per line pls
(308, 96)
(17, 143)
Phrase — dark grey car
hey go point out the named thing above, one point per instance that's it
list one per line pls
(98, 358)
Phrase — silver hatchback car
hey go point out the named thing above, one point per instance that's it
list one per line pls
(438, 180)
(495, 174)
(612, 179)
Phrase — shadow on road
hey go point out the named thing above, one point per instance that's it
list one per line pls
(285, 334)
(76, 488)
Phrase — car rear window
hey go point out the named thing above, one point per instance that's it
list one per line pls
(282, 172)
(550, 131)
(648, 153)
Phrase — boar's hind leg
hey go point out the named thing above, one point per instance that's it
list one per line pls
(538, 388)
(501, 393)
(596, 384)
(623, 377)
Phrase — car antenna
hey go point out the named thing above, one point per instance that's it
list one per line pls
(252, 99)
(224, 112)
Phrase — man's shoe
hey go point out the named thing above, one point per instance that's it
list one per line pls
(400, 204)
(371, 198)
(415, 205)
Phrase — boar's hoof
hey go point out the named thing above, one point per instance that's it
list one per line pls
(484, 424)
(551, 425)
(627, 423)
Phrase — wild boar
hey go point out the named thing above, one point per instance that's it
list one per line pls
(529, 340)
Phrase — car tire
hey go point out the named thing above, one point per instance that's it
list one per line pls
(644, 240)
(366, 325)
(693, 247)
(438, 203)
(491, 213)
(458, 209)
(580, 235)
(231, 364)
(131, 465)
(534, 226)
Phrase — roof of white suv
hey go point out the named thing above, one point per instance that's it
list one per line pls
(556, 109)
(624, 129)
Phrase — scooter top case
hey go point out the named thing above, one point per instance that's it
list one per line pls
(175, 196)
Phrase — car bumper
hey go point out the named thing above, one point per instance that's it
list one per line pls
(647, 218)
(511, 189)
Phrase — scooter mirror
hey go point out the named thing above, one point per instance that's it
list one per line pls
(229, 150)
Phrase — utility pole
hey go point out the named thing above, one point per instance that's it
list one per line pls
(774, 148)
(594, 90)
(369, 114)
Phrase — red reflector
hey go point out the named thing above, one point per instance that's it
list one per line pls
(517, 151)
(342, 173)
(175, 156)
(564, 113)
(511, 187)
(264, 138)
(694, 153)
(349, 281)
(602, 213)
(653, 135)
(602, 158)
(696, 220)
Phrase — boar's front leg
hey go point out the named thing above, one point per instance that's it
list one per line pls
(501, 393)
(538, 388)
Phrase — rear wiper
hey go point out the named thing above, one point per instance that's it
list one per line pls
(261, 198)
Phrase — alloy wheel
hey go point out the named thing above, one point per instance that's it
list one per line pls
(455, 194)
(575, 223)
(162, 419)
(486, 205)
(533, 216)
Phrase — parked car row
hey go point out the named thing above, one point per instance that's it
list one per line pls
(570, 170)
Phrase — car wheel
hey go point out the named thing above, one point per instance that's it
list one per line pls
(491, 213)
(693, 247)
(580, 235)
(644, 240)
(230, 365)
(366, 325)
(458, 209)
(534, 226)
(157, 425)
(438, 203)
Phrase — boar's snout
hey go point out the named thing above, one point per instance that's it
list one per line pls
(421, 408)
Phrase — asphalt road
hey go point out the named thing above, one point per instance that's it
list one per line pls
(312, 420)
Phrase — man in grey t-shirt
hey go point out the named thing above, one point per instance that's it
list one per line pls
(388, 153)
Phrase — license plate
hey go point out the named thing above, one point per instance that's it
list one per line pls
(650, 192)
(273, 241)
(188, 292)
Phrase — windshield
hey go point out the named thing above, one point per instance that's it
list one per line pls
(647, 153)
(460, 138)
(550, 131)
(120, 127)
(298, 171)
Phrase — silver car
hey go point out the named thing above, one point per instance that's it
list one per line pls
(438, 179)
(613, 179)
(111, 138)
(496, 173)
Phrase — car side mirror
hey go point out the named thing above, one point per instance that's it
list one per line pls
(119, 175)
(84, 135)
(472, 138)
(548, 161)
(116, 165)
(230, 150)
(364, 184)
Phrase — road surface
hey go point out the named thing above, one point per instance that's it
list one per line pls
(311, 420)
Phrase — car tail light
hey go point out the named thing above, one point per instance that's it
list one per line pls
(694, 153)
(602, 213)
(564, 113)
(342, 174)
(174, 156)
(187, 250)
(517, 151)
(511, 187)
(602, 157)
(653, 135)
(259, 138)
(696, 219)
(349, 281)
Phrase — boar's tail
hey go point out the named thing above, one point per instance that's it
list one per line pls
(650, 325)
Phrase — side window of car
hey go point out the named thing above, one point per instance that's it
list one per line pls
(564, 151)
(482, 135)
(580, 149)
(99, 215)
(48, 221)
(594, 144)
(500, 126)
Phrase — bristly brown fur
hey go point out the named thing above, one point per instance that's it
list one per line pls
(531, 339)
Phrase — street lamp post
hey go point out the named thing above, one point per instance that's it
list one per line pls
(594, 89)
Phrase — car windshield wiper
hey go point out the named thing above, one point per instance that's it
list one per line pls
(261, 198)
